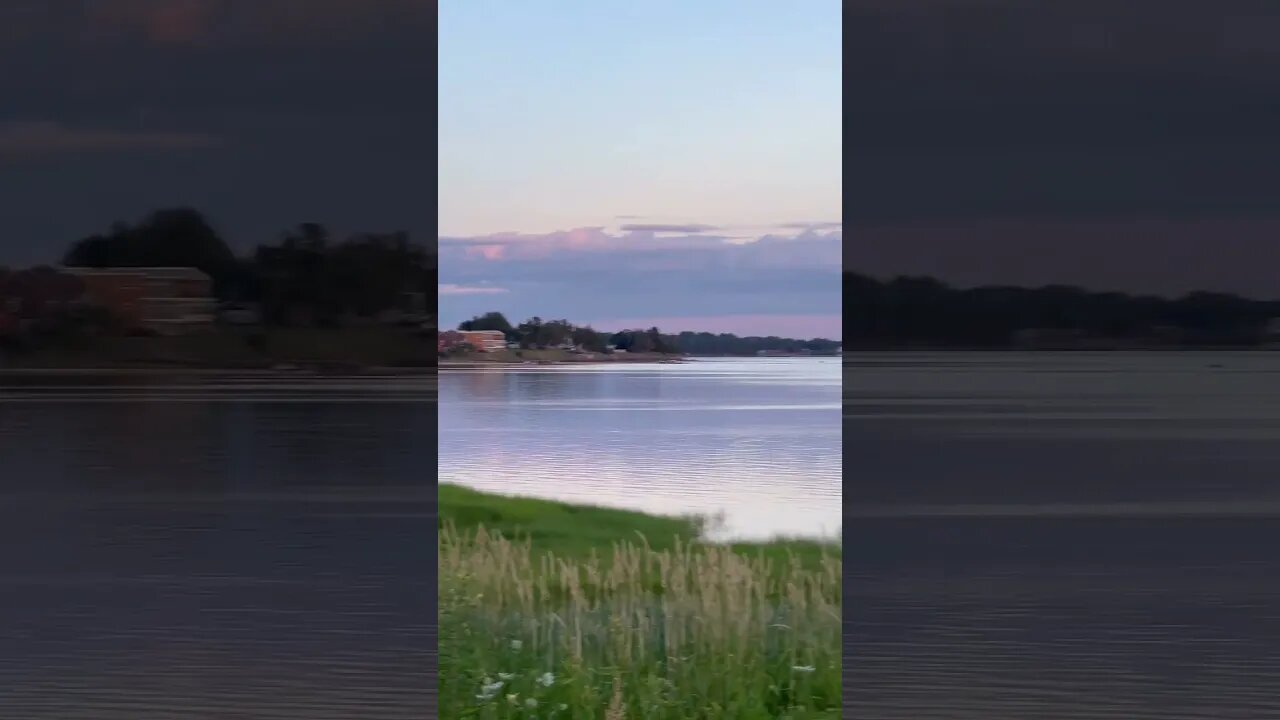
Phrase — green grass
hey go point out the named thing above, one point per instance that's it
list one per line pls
(549, 610)
(567, 530)
(576, 531)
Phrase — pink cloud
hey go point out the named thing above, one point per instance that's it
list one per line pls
(487, 252)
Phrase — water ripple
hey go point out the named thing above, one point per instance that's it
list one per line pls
(755, 442)
(244, 547)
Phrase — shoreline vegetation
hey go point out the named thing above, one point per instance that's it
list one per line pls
(555, 610)
(551, 342)
(1062, 347)
(923, 313)
(309, 300)
(323, 350)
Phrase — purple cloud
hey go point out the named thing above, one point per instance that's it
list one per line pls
(594, 275)
(664, 228)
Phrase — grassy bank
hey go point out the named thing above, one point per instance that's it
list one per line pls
(550, 610)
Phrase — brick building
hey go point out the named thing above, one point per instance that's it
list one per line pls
(28, 297)
(447, 340)
(163, 300)
(485, 340)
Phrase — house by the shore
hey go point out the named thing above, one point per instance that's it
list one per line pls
(164, 300)
(485, 340)
(30, 297)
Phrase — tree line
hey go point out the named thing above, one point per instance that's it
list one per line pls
(538, 333)
(925, 312)
(307, 277)
(705, 343)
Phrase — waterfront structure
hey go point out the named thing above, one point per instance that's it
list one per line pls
(447, 340)
(166, 301)
(29, 297)
(485, 340)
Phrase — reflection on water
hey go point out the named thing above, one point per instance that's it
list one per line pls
(1067, 535)
(755, 440)
(229, 547)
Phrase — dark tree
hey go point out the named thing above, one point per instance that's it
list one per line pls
(923, 312)
(307, 278)
(588, 339)
(705, 343)
(177, 237)
(530, 332)
(489, 321)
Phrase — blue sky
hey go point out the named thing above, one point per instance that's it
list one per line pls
(555, 117)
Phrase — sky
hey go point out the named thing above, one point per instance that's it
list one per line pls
(1120, 146)
(263, 114)
(631, 164)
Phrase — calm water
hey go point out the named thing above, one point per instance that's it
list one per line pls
(1063, 535)
(755, 440)
(236, 547)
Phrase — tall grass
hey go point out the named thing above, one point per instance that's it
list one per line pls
(694, 631)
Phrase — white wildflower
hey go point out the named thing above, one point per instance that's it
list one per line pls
(803, 668)
(489, 690)
(506, 676)
(547, 679)
(513, 698)
(531, 703)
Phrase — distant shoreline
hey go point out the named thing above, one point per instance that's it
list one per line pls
(284, 351)
(198, 371)
(1108, 348)
(556, 357)
(560, 357)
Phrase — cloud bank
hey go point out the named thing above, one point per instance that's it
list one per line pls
(784, 283)
(659, 228)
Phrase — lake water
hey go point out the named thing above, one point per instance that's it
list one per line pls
(1063, 535)
(233, 547)
(755, 441)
